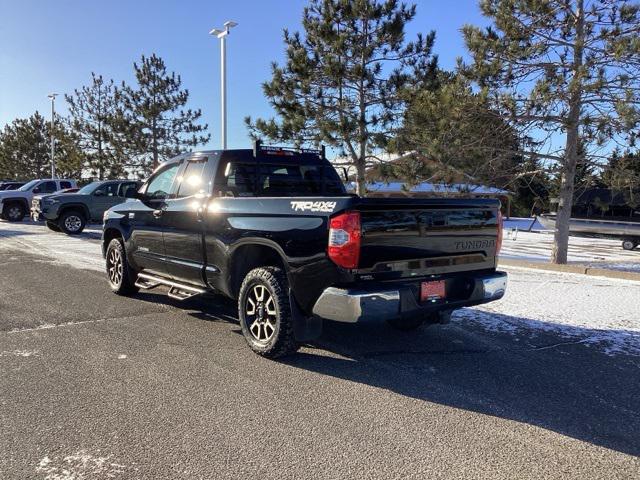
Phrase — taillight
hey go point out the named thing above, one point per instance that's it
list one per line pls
(500, 232)
(344, 239)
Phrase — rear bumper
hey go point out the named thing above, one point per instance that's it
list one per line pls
(360, 305)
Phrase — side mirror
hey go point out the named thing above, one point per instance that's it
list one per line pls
(139, 195)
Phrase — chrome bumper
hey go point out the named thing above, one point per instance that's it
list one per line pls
(357, 305)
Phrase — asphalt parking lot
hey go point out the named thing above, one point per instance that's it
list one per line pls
(98, 386)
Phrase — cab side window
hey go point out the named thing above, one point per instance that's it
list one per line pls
(64, 185)
(47, 187)
(107, 190)
(236, 180)
(127, 189)
(192, 180)
(159, 186)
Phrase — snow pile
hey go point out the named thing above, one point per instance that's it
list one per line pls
(577, 308)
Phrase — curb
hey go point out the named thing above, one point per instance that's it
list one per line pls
(571, 268)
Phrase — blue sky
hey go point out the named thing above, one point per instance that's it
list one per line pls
(54, 46)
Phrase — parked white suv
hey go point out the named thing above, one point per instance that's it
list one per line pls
(14, 204)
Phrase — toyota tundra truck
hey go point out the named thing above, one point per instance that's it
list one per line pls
(274, 229)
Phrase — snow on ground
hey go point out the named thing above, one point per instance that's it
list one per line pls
(536, 246)
(597, 311)
(78, 251)
(79, 465)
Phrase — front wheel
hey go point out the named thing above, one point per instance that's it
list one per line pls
(121, 275)
(629, 244)
(14, 212)
(265, 313)
(72, 222)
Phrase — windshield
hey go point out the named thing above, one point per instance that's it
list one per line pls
(28, 186)
(87, 189)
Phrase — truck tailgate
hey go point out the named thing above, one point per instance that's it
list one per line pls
(430, 236)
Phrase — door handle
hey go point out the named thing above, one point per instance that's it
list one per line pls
(158, 213)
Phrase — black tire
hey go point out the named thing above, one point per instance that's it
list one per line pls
(406, 324)
(72, 222)
(120, 275)
(265, 313)
(629, 244)
(13, 212)
(52, 226)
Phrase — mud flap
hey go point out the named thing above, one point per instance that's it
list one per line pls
(305, 328)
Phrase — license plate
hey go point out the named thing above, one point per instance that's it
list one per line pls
(432, 291)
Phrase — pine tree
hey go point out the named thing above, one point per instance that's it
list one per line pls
(92, 109)
(455, 134)
(151, 123)
(342, 81)
(25, 150)
(562, 69)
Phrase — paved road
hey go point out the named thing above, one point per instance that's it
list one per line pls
(97, 386)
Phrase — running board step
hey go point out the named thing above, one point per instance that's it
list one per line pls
(177, 290)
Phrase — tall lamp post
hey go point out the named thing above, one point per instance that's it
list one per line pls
(53, 96)
(222, 35)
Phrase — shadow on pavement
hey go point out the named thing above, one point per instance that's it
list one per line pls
(555, 384)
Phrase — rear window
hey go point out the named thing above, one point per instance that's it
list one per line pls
(278, 180)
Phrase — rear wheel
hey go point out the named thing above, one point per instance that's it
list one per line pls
(72, 222)
(265, 313)
(52, 226)
(121, 276)
(629, 244)
(14, 212)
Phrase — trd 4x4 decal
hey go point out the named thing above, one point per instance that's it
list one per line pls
(300, 206)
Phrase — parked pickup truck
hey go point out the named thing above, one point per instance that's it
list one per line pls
(70, 212)
(14, 204)
(274, 229)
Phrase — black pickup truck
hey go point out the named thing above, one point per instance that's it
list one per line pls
(275, 229)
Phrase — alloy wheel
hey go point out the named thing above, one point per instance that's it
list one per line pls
(114, 266)
(73, 223)
(14, 213)
(260, 313)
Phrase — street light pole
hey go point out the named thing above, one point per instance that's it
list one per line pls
(222, 35)
(53, 96)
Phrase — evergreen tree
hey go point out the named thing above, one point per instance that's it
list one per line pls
(561, 68)
(25, 150)
(91, 115)
(151, 123)
(342, 81)
(622, 175)
(457, 137)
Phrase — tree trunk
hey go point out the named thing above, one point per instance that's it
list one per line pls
(155, 145)
(565, 200)
(361, 183)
